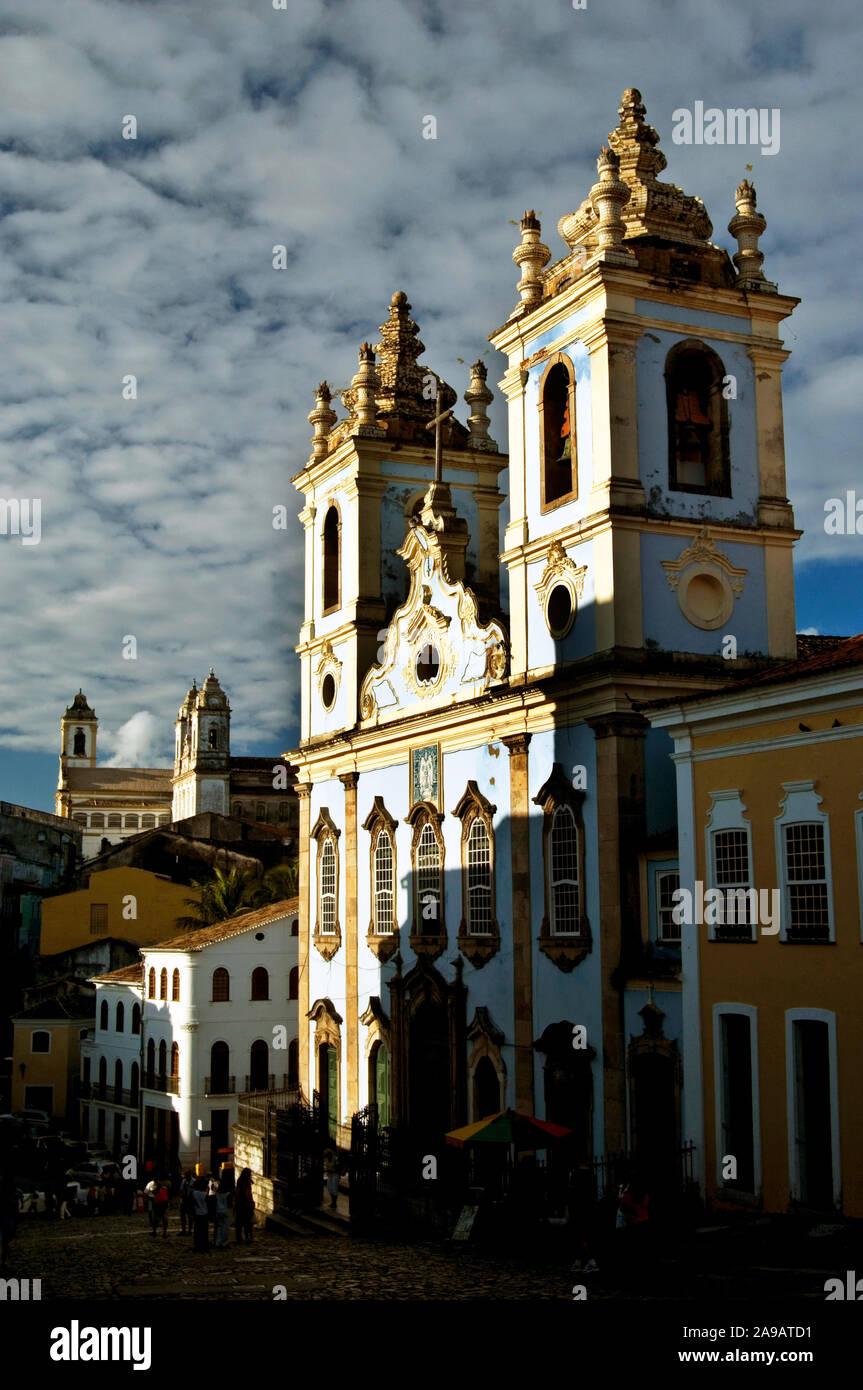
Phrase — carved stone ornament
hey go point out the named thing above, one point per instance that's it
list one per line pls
(328, 664)
(705, 581)
(559, 569)
(436, 649)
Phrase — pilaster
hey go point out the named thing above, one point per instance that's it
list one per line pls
(522, 944)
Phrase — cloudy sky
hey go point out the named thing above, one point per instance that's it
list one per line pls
(258, 126)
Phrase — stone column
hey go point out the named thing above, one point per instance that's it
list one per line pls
(304, 791)
(522, 943)
(620, 828)
(349, 781)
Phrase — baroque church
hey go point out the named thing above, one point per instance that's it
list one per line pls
(488, 827)
(113, 803)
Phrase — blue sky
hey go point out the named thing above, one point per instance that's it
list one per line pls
(256, 127)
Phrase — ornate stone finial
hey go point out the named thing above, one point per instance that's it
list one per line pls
(364, 387)
(609, 196)
(322, 418)
(400, 392)
(746, 228)
(478, 398)
(532, 256)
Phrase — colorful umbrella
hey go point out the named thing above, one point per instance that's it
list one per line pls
(508, 1127)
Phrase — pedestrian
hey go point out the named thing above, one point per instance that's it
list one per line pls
(92, 1200)
(187, 1212)
(223, 1215)
(581, 1216)
(160, 1209)
(201, 1216)
(633, 1223)
(332, 1175)
(244, 1208)
(70, 1196)
(148, 1193)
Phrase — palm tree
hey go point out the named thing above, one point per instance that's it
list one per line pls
(279, 882)
(224, 895)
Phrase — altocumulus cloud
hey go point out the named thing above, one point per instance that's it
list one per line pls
(256, 127)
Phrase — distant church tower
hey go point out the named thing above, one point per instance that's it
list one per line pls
(78, 729)
(202, 747)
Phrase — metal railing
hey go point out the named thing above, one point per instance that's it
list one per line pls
(219, 1085)
(169, 1085)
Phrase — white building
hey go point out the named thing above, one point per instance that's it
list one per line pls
(110, 1086)
(219, 1017)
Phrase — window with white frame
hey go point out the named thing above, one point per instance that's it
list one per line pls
(328, 888)
(729, 867)
(564, 888)
(428, 878)
(803, 859)
(479, 913)
(383, 883)
(667, 884)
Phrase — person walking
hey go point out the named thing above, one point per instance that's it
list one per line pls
(201, 1217)
(148, 1193)
(332, 1174)
(70, 1196)
(222, 1223)
(244, 1208)
(159, 1215)
(187, 1207)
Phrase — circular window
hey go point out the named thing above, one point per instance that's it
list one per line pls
(328, 690)
(259, 936)
(559, 610)
(706, 599)
(428, 664)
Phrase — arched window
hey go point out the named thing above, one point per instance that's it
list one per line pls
(175, 987)
(294, 983)
(563, 873)
(163, 1057)
(163, 983)
(698, 452)
(115, 821)
(427, 850)
(557, 438)
(379, 1081)
(384, 884)
(148, 821)
(220, 1065)
(151, 983)
(40, 1040)
(97, 821)
(328, 888)
(478, 900)
(565, 932)
(119, 1017)
(260, 983)
(175, 1059)
(118, 1081)
(134, 1083)
(136, 1018)
(80, 749)
(103, 1077)
(332, 535)
(237, 809)
(150, 1074)
(103, 1016)
(261, 811)
(221, 985)
(164, 820)
(80, 818)
(293, 1062)
(259, 1065)
(213, 738)
(132, 822)
(295, 927)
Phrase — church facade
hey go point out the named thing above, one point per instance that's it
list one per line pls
(488, 836)
(111, 804)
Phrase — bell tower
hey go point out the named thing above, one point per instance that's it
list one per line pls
(368, 475)
(78, 729)
(647, 476)
(202, 749)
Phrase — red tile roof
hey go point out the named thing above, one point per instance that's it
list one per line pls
(196, 940)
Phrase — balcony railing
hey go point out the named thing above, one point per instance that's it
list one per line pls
(169, 1085)
(219, 1085)
(265, 1083)
(107, 1094)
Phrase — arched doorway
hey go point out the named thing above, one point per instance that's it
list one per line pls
(379, 1082)
(259, 1059)
(486, 1089)
(429, 1073)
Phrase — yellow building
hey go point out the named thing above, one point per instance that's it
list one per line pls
(769, 787)
(134, 904)
(46, 1052)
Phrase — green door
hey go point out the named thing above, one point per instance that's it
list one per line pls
(382, 1084)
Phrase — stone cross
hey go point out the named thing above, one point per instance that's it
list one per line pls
(438, 445)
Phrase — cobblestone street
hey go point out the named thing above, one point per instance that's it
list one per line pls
(116, 1257)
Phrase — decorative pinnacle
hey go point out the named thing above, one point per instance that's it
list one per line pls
(478, 397)
(365, 386)
(746, 228)
(532, 256)
(609, 196)
(322, 418)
